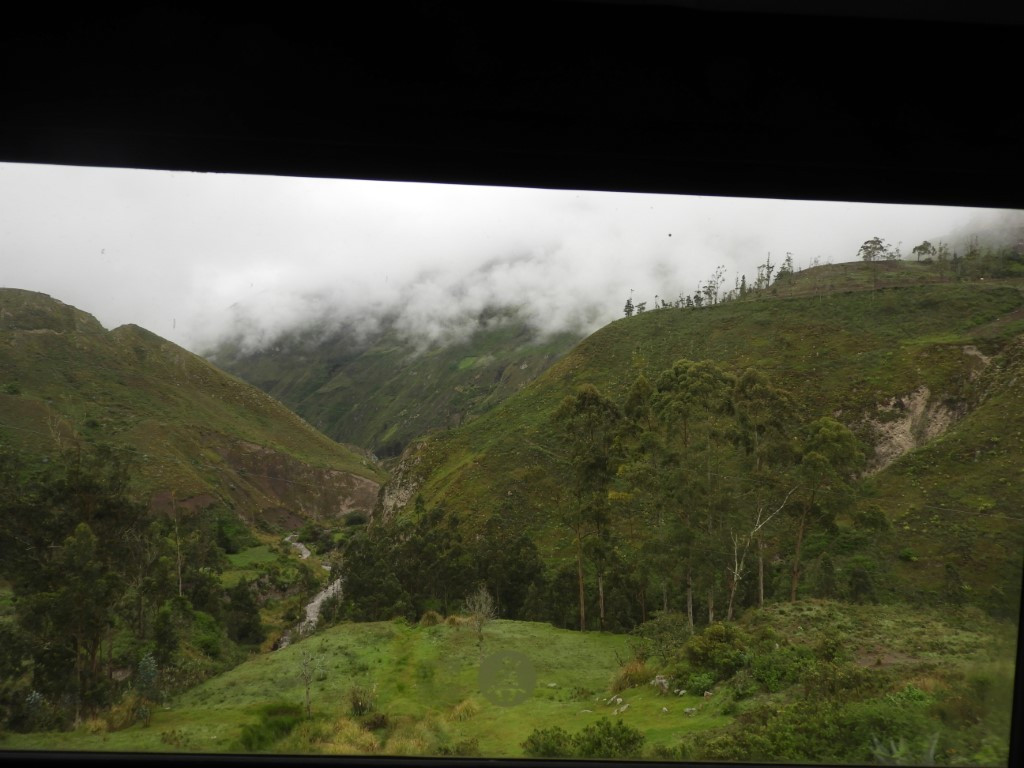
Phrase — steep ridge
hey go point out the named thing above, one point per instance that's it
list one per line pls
(199, 437)
(383, 389)
(904, 367)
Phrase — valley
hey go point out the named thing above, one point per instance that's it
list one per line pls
(784, 525)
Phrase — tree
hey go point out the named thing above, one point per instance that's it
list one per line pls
(65, 549)
(765, 417)
(874, 249)
(925, 249)
(243, 615)
(691, 401)
(311, 667)
(628, 310)
(589, 422)
(830, 457)
(482, 610)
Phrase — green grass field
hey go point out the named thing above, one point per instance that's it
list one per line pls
(426, 681)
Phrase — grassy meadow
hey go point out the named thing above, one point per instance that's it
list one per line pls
(420, 689)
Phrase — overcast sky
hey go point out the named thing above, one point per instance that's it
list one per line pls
(191, 256)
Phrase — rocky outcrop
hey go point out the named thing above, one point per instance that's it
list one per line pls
(904, 423)
(278, 480)
(400, 489)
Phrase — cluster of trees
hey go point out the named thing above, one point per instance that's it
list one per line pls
(697, 493)
(710, 292)
(694, 483)
(101, 584)
(424, 563)
(975, 262)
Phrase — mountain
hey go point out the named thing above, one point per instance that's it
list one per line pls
(925, 371)
(382, 389)
(201, 438)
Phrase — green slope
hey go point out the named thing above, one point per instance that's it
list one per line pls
(932, 670)
(382, 391)
(857, 354)
(200, 436)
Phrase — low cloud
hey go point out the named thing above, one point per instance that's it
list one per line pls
(200, 257)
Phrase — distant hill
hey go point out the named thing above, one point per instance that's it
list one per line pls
(382, 390)
(925, 371)
(200, 437)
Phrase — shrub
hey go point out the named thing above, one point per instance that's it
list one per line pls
(607, 739)
(376, 721)
(362, 700)
(829, 647)
(663, 636)
(631, 675)
(719, 649)
(463, 711)
(743, 685)
(700, 682)
(826, 679)
(276, 721)
(778, 669)
(908, 555)
(464, 748)
(431, 619)
(548, 742)
(674, 754)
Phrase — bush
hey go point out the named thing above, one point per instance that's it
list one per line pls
(376, 722)
(464, 748)
(826, 679)
(663, 636)
(719, 649)
(675, 754)
(463, 710)
(276, 721)
(631, 675)
(362, 700)
(830, 647)
(548, 742)
(699, 682)
(607, 739)
(778, 669)
(431, 619)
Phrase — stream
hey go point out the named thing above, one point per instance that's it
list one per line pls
(308, 624)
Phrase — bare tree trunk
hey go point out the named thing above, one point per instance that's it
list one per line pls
(711, 605)
(795, 577)
(664, 595)
(579, 574)
(760, 572)
(689, 597)
(600, 598)
(177, 542)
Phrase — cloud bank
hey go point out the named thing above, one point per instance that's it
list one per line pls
(198, 257)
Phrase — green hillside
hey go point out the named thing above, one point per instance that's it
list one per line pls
(199, 437)
(922, 370)
(897, 676)
(383, 390)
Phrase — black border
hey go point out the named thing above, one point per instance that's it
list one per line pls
(884, 104)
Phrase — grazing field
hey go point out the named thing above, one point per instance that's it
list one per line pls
(392, 688)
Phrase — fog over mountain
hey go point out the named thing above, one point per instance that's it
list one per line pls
(197, 257)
